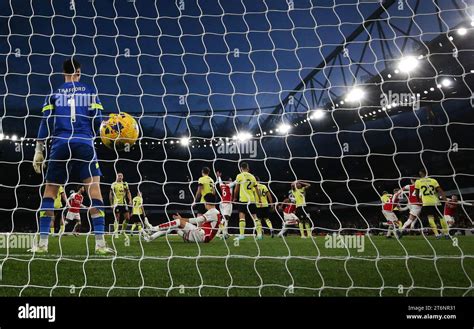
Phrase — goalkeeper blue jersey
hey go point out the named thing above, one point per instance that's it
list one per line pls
(72, 114)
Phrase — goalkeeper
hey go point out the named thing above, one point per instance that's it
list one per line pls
(71, 115)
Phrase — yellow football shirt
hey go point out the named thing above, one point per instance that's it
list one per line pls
(137, 205)
(428, 193)
(57, 201)
(247, 183)
(119, 189)
(300, 197)
(263, 196)
(385, 198)
(207, 184)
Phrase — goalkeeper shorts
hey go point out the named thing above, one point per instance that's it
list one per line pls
(67, 161)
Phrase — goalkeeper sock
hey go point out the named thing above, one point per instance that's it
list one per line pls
(98, 222)
(51, 230)
(133, 227)
(45, 221)
(308, 229)
(61, 229)
(301, 226)
(433, 225)
(258, 224)
(242, 227)
(139, 227)
(444, 225)
(269, 223)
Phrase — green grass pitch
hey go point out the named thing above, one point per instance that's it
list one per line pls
(413, 266)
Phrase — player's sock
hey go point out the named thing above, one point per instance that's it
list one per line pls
(157, 235)
(269, 223)
(407, 223)
(242, 227)
(51, 230)
(133, 227)
(139, 227)
(444, 225)
(258, 228)
(169, 225)
(116, 226)
(389, 230)
(124, 226)
(301, 226)
(226, 224)
(45, 221)
(433, 225)
(308, 229)
(98, 222)
(61, 229)
(283, 230)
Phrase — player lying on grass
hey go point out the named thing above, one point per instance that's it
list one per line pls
(201, 229)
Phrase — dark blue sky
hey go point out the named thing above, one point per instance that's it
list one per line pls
(142, 57)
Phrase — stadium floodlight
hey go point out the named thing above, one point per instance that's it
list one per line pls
(355, 95)
(462, 31)
(243, 136)
(446, 82)
(283, 128)
(408, 64)
(317, 115)
(184, 141)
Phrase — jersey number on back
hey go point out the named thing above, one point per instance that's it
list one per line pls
(428, 190)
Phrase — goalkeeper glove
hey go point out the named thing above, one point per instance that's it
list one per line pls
(38, 159)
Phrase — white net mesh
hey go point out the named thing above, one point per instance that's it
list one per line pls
(352, 98)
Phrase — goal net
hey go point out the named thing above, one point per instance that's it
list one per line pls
(334, 106)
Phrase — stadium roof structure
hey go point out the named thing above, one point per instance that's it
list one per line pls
(223, 67)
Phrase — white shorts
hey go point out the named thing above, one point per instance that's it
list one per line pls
(449, 219)
(73, 216)
(192, 233)
(226, 208)
(290, 219)
(390, 216)
(414, 209)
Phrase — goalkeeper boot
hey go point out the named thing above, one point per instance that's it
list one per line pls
(39, 249)
(271, 233)
(104, 250)
(260, 237)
